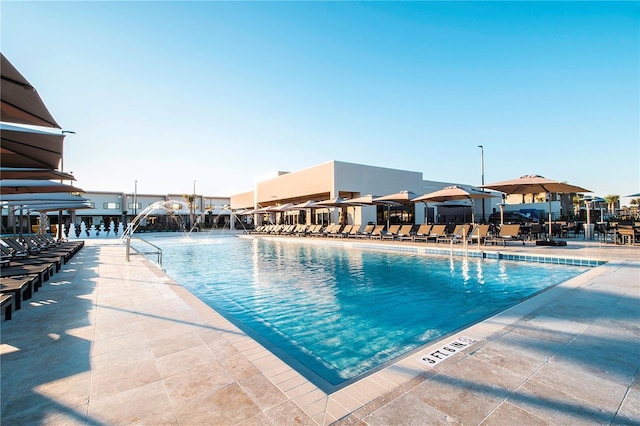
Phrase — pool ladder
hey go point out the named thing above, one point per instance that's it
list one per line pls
(156, 250)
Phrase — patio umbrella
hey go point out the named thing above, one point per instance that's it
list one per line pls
(532, 184)
(633, 195)
(33, 173)
(30, 148)
(398, 197)
(402, 197)
(30, 186)
(451, 193)
(20, 101)
(331, 203)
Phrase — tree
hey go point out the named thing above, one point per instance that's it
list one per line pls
(611, 202)
(191, 198)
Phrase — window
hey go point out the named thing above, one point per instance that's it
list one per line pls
(134, 206)
(111, 206)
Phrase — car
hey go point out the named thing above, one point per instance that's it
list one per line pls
(511, 217)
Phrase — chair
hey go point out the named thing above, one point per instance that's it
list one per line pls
(377, 232)
(6, 305)
(436, 231)
(405, 232)
(22, 288)
(391, 233)
(508, 232)
(366, 232)
(481, 232)
(456, 236)
(423, 232)
(355, 230)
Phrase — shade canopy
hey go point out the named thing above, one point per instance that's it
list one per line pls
(333, 202)
(365, 200)
(306, 205)
(398, 197)
(633, 195)
(532, 184)
(35, 197)
(282, 208)
(33, 173)
(29, 148)
(30, 186)
(452, 193)
(20, 101)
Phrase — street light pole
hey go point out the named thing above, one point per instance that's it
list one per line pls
(482, 173)
(135, 199)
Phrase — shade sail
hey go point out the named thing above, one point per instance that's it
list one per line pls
(33, 173)
(30, 148)
(20, 102)
(30, 186)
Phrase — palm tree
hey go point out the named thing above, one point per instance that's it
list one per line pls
(191, 198)
(611, 202)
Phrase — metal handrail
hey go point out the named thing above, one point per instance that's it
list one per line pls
(157, 251)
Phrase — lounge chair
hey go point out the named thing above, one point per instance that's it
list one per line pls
(22, 288)
(480, 231)
(436, 232)
(355, 230)
(405, 232)
(423, 232)
(456, 236)
(6, 305)
(508, 232)
(366, 232)
(391, 233)
(377, 232)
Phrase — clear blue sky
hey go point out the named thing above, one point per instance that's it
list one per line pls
(166, 93)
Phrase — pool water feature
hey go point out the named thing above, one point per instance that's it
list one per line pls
(336, 313)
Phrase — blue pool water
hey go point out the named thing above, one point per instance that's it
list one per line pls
(336, 313)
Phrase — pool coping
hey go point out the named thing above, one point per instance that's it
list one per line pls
(325, 408)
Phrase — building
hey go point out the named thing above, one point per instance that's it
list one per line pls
(335, 179)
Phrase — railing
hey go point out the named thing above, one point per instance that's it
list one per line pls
(157, 250)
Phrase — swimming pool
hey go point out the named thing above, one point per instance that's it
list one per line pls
(336, 313)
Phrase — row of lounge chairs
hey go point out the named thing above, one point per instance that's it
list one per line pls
(27, 262)
(422, 233)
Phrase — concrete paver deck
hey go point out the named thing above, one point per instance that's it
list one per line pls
(110, 342)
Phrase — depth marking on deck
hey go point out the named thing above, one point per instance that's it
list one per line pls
(438, 355)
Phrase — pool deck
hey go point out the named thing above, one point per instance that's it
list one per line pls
(111, 342)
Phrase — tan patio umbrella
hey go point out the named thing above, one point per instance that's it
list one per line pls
(452, 193)
(402, 197)
(20, 102)
(331, 203)
(533, 184)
